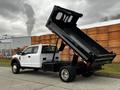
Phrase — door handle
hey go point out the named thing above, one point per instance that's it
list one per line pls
(28, 56)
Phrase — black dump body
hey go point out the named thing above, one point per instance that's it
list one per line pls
(62, 22)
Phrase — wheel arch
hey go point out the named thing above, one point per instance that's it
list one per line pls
(15, 60)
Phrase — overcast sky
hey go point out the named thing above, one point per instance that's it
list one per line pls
(18, 16)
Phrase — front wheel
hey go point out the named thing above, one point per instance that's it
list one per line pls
(67, 73)
(15, 68)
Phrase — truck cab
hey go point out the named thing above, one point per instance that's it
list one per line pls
(34, 56)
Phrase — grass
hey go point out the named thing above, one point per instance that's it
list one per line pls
(113, 68)
(5, 62)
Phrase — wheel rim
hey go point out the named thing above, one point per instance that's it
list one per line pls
(14, 68)
(65, 74)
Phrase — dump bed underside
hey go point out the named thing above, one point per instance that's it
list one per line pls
(63, 23)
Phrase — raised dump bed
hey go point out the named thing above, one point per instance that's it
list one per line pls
(62, 22)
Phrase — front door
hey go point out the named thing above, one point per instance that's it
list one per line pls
(30, 57)
(25, 58)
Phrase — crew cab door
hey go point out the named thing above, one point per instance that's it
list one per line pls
(28, 57)
(48, 52)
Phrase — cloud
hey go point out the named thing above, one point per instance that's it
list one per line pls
(99, 9)
(43, 11)
(11, 28)
(8, 8)
(17, 10)
(12, 12)
(13, 17)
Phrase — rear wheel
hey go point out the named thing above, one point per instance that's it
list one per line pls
(15, 68)
(67, 73)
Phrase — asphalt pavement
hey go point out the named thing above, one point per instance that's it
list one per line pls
(30, 80)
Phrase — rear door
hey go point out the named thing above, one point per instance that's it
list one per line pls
(48, 52)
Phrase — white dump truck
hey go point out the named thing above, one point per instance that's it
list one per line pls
(46, 57)
(33, 57)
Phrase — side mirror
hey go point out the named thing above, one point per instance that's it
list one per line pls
(19, 53)
(22, 53)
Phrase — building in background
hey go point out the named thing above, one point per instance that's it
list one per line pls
(7, 44)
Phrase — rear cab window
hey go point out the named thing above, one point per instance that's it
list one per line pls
(49, 49)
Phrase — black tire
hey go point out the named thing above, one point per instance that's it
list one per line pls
(15, 68)
(67, 73)
(87, 74)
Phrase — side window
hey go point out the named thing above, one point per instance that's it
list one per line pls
(31, 50)
(35, 49)
(28, 50)
(48, 49)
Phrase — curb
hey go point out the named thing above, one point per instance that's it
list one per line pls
(108, 75)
